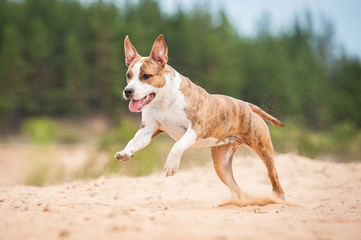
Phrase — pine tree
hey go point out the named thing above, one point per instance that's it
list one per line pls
(13, 71)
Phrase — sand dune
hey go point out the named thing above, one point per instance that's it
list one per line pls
(185, 206)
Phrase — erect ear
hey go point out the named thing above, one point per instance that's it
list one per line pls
(130, 52)
(160, 51)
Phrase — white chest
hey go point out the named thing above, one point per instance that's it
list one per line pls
(175, 125)
(168, 108)
(169, 113)
(173, 121)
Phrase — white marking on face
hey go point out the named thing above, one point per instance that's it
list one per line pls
(141, 89)
(136, 69)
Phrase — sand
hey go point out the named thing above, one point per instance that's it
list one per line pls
(186, 206)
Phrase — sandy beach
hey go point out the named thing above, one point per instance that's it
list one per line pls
(186, 206)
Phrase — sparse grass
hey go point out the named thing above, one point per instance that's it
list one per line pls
(40, 130)
(147, 160)
(43, 169)
(343, 143)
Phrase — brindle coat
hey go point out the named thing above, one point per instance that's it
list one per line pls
(239, 124)
(231, 121)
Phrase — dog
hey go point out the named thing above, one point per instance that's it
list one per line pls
(171, 103)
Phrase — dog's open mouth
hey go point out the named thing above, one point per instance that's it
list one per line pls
(137, 105)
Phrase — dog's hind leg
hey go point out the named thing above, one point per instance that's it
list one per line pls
(264, 149)
(222, 160)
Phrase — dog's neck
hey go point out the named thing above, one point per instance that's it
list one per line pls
(170, 92)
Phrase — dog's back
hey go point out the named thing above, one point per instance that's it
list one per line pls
(207, 111)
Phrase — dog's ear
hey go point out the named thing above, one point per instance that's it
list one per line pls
(130, 52)
(160, 51)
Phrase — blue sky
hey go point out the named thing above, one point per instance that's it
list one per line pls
(344, 14)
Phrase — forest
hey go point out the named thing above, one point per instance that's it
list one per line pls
(66, 58)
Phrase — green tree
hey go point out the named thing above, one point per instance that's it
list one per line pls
(66, 57)
(13, 70)
(76, 74)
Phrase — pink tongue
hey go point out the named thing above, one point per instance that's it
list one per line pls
(134, 105)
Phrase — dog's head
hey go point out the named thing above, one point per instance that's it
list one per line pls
(145, 75)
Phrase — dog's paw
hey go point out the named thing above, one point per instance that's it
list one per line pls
(122, 156)
(279, 195)
(170, 168)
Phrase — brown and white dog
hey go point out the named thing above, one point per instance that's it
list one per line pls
(171, 103)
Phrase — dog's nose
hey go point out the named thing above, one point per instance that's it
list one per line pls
(128, 92)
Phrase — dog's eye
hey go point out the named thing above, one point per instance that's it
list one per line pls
(128, 75)
(146, 76)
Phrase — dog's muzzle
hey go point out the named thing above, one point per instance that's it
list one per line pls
(128, 93)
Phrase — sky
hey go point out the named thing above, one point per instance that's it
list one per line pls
(244, 14)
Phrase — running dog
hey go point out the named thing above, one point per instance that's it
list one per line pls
(171, 103)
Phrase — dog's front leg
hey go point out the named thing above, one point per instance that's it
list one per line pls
(141, 139)
(186, 141)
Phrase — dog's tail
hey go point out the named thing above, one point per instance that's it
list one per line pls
(274, 121)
